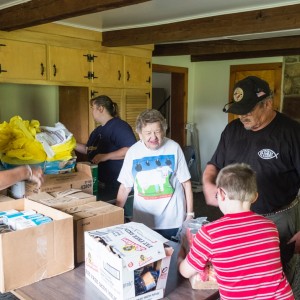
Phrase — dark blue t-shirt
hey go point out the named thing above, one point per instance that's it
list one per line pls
(274, 154)
(114, 135)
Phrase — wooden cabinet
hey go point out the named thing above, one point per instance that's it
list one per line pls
(108, 69)
(137, 71)
(130, 103)
(76, 62)
(69, 65)
(135, 101)
(116, 96)
(74, 111)
(22, 60)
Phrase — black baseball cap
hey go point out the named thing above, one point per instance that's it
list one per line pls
(246, 94)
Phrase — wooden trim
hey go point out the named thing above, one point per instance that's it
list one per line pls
(179, 116)
(231, 49)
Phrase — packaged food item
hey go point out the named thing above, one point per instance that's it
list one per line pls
(26, 223)
(207, 278)
(8, 212)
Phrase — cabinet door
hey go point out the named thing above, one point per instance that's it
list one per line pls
(74, 111)
(22, 60)
(108, 69)
(138, 72)
(116, 96)
(69, 65)
(135, 101)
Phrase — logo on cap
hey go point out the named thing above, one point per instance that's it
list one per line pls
(238, 94)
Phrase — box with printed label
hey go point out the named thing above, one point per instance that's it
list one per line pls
(82, 179)
(128, 261)
(32, 254)
(90, 216)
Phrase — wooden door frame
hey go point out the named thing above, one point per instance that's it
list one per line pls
(179, 99)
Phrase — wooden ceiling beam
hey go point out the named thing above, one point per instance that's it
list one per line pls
(222, 47)
(37, 12)
(243, 55)
(258, 21)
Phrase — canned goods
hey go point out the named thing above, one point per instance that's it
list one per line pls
(17, 190)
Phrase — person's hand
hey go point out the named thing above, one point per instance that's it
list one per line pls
(189, 217)
(210, 194)
(98, 159)
(36, 176)
(296, 239)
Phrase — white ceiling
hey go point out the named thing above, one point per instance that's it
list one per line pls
(158, 12)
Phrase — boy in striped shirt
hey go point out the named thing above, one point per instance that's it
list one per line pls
(242, 245)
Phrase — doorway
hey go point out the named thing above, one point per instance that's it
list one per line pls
(177, 106)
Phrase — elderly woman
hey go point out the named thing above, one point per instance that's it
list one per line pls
(156, 168)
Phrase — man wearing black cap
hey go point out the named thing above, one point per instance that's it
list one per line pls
(269, 142)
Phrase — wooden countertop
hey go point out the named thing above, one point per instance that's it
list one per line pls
(74, 285)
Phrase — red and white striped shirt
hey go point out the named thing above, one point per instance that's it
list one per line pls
(244, 250)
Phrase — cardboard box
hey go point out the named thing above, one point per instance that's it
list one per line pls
(90, 216)
(127, 261)
(36, 253)
(82, 179)
(64, 199)
(4, 198)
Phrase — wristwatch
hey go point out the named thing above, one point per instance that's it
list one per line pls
(191, 214)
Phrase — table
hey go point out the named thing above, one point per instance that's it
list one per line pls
(73, 285)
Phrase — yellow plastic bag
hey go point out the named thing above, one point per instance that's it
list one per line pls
(18, 144)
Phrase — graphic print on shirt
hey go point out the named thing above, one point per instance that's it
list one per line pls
(152, 176)
(267, 154)
(94, 146)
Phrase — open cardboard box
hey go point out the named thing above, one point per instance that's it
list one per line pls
(63, 199)
(82, 179)
(128, 261)
(36, 253)
(90, 216)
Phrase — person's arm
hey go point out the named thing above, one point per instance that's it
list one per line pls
(296, 238)
(12, 176)
(185, 269)
(115, 155)
(209, 184)
(187, 185)
(81, 148)
(122, 195)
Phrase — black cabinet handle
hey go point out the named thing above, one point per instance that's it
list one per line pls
(93, 93)
(42, 69)
(119, 75)
(54, 70)
(1, 70)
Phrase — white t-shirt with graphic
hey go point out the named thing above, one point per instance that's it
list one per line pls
(156, 175)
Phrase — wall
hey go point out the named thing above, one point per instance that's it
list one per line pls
(29, 102)
(291, 87)
(208, 91)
